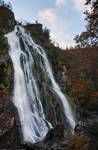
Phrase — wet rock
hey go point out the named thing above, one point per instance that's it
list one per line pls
(55, 140)
(55, 134)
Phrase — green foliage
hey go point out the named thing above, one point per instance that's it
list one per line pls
(90, 36)
(44, 78)
(5, 74)
(87, 105)
(91, 104)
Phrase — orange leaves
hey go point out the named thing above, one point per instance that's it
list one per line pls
(79, 87)
(83, 87)
(95, 93)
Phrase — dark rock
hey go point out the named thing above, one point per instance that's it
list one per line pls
(55, 134)
(55, 140)
(41, 36)
(7, 19)
(4, 58)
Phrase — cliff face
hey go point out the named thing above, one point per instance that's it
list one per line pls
(7, 20)
(7, 117)
(82, 70)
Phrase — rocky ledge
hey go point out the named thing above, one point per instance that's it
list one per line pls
(58, 139)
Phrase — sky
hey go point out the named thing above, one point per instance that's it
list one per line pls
(64, 18)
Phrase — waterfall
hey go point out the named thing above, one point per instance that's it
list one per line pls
(26, 96)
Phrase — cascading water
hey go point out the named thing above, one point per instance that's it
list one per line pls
(27, 97)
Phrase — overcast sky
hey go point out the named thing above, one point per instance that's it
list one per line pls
(64, 18)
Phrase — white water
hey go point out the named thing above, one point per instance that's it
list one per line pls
(26, 94)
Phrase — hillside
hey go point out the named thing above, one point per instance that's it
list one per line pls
(82, 71)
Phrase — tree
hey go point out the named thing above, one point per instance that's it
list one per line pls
(8, 5)
(90, 36)
(2, 3)
(47, 33)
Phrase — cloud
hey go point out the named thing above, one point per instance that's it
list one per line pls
(61, 38)
(80, 6)
(60, 2)
(59, 23)
(48, 15)
(52, 19)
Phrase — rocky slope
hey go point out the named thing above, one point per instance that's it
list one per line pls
(7, 110)
(56, 140)
(76, 70)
